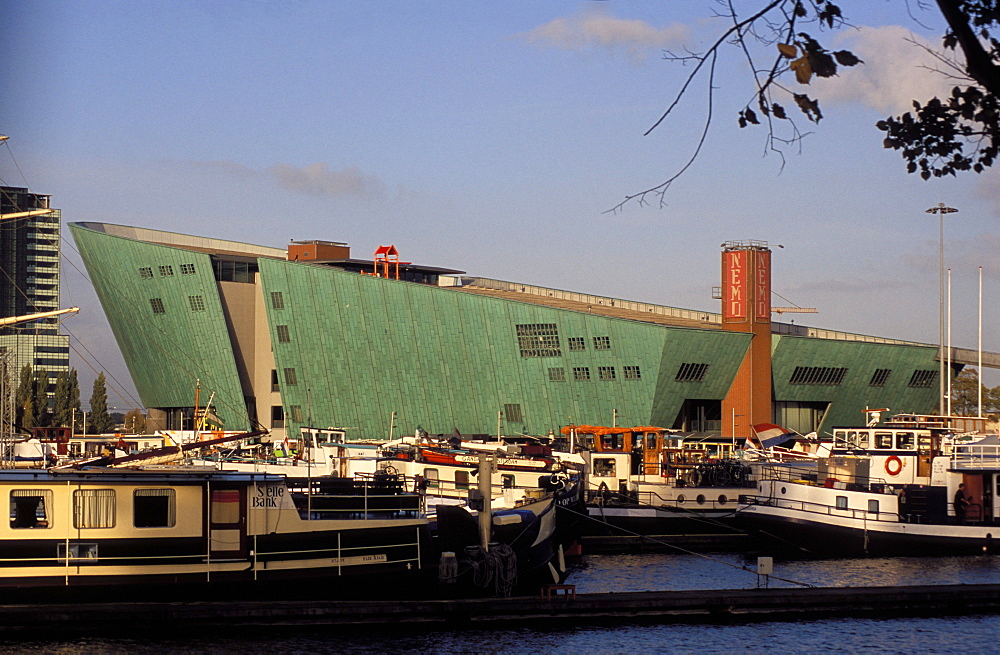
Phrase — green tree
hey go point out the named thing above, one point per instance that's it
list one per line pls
(61, 412)
(779, 41)
(25, 397)
(965, 393)
(98, 420)
(74, 397)
(135, 422)
(42, 416)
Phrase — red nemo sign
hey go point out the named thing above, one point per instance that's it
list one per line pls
(734, 284)
(762, 286)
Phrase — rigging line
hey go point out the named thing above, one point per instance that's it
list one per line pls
(13, 159)
(685, 550)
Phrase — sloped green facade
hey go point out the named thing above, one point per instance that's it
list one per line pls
(360, 348)
(166, 353)
(856, 391)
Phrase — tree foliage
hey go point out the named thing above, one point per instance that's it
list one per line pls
(98, 420)
(135, 422)
(781, 41)
(965, 392)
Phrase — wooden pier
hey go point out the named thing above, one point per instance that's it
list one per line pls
(714, 606)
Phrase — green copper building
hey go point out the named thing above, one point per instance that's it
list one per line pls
(306, 335)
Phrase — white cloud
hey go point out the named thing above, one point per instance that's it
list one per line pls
(318, 179)
(896, 71)
(597, 29)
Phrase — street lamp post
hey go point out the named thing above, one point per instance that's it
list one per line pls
(941, 210)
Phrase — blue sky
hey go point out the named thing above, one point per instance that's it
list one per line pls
(491, 138)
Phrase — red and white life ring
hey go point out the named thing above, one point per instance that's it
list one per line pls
(893, 465)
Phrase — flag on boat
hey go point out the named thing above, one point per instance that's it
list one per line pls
(769, 434)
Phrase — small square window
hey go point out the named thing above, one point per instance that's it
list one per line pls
(606, 373)
(197, 303)
(602, 343)
(30, 508)
(557, 375)
(145, 272)
(277, 300)
(187, 269)
(632, 373)
(283, 336)
(94, 508)
(154, 508)
(157, 305)
(577, 343)
(296, 412)
(166, 270)
(581, 373)
(290, 377)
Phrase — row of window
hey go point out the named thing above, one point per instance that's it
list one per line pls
(196, 303)
(604, 373)
(542, 340)
(823, 375)
(94, 508)
(166, 270)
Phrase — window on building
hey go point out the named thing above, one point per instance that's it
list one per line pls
(296, 412)
(557, 375)
(632, 373)
(274, 380)
(880, 377)
(197, 303)
(187, 269)
(581, 373)
(145, 272)
(820, 375)
(277, 300)
(606, 373)
(602, 343)
(283, 336)
(94, 508)
(512, 412)
(290, 377)
(154, 508)
(923, 379)
(691, 373)
(157, 305)
(166, 270)
(577, 343)
(31, 508)
(538, 340)
(277, 416)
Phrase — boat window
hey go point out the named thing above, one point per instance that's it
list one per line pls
(905, 441)
(841, 502)
(840, 438)
(863, 439)
(612, 441)
(873, 506)
(154, 508)
(94, 508)
(461, 480)
(604, 467)
(852, 439)
(29, 508)
(650, 441)
(507, 481)
(883, 440)
(431, 478)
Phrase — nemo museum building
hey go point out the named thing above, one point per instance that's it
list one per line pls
(308, 336)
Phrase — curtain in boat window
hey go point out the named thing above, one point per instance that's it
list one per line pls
(94, 508)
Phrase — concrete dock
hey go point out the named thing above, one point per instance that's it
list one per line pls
(714, 606)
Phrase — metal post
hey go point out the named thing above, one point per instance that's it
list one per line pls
(948, 367)
(941, 210)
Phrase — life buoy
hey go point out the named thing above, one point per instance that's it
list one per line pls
(893, 465)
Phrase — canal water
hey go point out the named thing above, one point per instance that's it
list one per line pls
(647, 572)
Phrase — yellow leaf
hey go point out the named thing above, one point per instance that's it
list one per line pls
(787, 50)
(803, 71)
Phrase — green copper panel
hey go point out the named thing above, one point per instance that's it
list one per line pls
(166, 351)
(856, 391)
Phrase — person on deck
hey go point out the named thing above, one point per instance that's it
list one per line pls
(961, 503)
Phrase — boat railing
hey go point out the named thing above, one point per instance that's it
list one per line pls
(810, 476)
(867, 514)
(975, 456)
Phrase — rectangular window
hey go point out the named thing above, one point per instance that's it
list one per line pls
(154, 508)
(577, 343)
(822, 375)
(277, 300)
(431, 478)
(873, 506)
(274, 380)
(461, 480)
(225, 506)
(880, 377)
(166, 270)
(538, 340)
(512, 412)
(606, 373)
(30, 508)
(296, 412)
(277, 416)
(187, 269)
(290, 377)
(197, 303)
(602, 343)
(691, 372)
(923, 379)
(557, 375)
(581, 373)
(604, 467)
(145, 272)
(94, 508)
(632, 373)
(157, 305)
(283, 336)
(841, 502)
